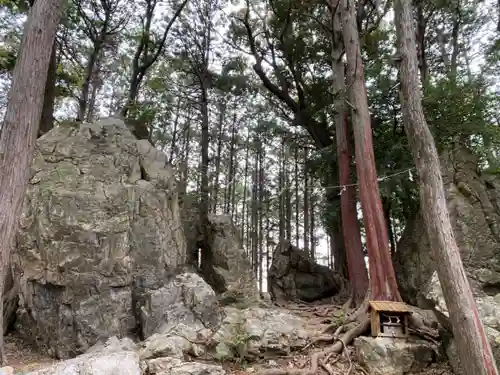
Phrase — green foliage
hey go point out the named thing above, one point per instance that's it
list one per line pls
(236, 346)
(7, 60)
(459, 110)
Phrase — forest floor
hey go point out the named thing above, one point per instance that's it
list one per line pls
(24, 358)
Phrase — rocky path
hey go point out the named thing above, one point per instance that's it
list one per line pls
(319, 316)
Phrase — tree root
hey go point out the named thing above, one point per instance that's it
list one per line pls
(357, 314)
(316, 358)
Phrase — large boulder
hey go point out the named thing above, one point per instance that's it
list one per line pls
(294, 275)
(185, 300)
(388, 356)
(112, 357)
(233, 272)
(489, 312)
(473, 201)
(100, 226)
(244, 334)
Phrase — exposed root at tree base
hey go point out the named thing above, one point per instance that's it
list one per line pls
(356, 315)
(316, 358)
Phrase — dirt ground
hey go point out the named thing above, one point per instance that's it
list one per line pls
(23, 357)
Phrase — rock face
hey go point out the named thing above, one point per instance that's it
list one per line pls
(294, 275)
(474, 205)
(243, 334)
(114, 357)
(234, 276)
(100, 226)
(489, 312)
(386, 356)
(473, 201)
(186, 300)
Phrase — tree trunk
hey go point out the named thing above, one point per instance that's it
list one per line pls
(231, 196)
(473, 347)
(306, 204)
(245, 189)
(89, 71)
(383, 285)
(22, 119)
(220, 131)
(288, 195)
(255, 191)
(421, 27)
(261, 215)
(47, 118)
(297, 200)
(312, 227)
(173, 144)
(281, 196)
(358, 275)
(206, 251)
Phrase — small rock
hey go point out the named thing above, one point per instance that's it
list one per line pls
(6, 370)
(175, 366)
(123, 363)
(172, 344)
(387, 356)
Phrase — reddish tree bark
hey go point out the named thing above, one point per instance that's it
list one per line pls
(22, 119)
(358, 276)
(383, 285)
(473, 347)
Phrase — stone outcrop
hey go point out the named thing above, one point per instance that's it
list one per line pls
(100, 227)
(243, 334)
(473, 201)
(185, 300)
(294, 275)
(386, 356)
(114, 357)
(489, 312)
(233, 272)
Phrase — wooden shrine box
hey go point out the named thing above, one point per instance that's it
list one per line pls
(389, 319)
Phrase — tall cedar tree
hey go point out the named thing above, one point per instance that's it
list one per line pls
(22, 119)
(383, 285)
(358, 275)
(473, 346)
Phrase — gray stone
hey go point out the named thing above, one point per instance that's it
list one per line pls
(243, 334)
(234, 277)
(175, 343)
(174, 366)
(294, 275)
(100, 224)
(256, 331)
(489, 312)
(473, 201)
(387, 356)
(112, 357)
(6, 370)
(123, 363)
(186, 299)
